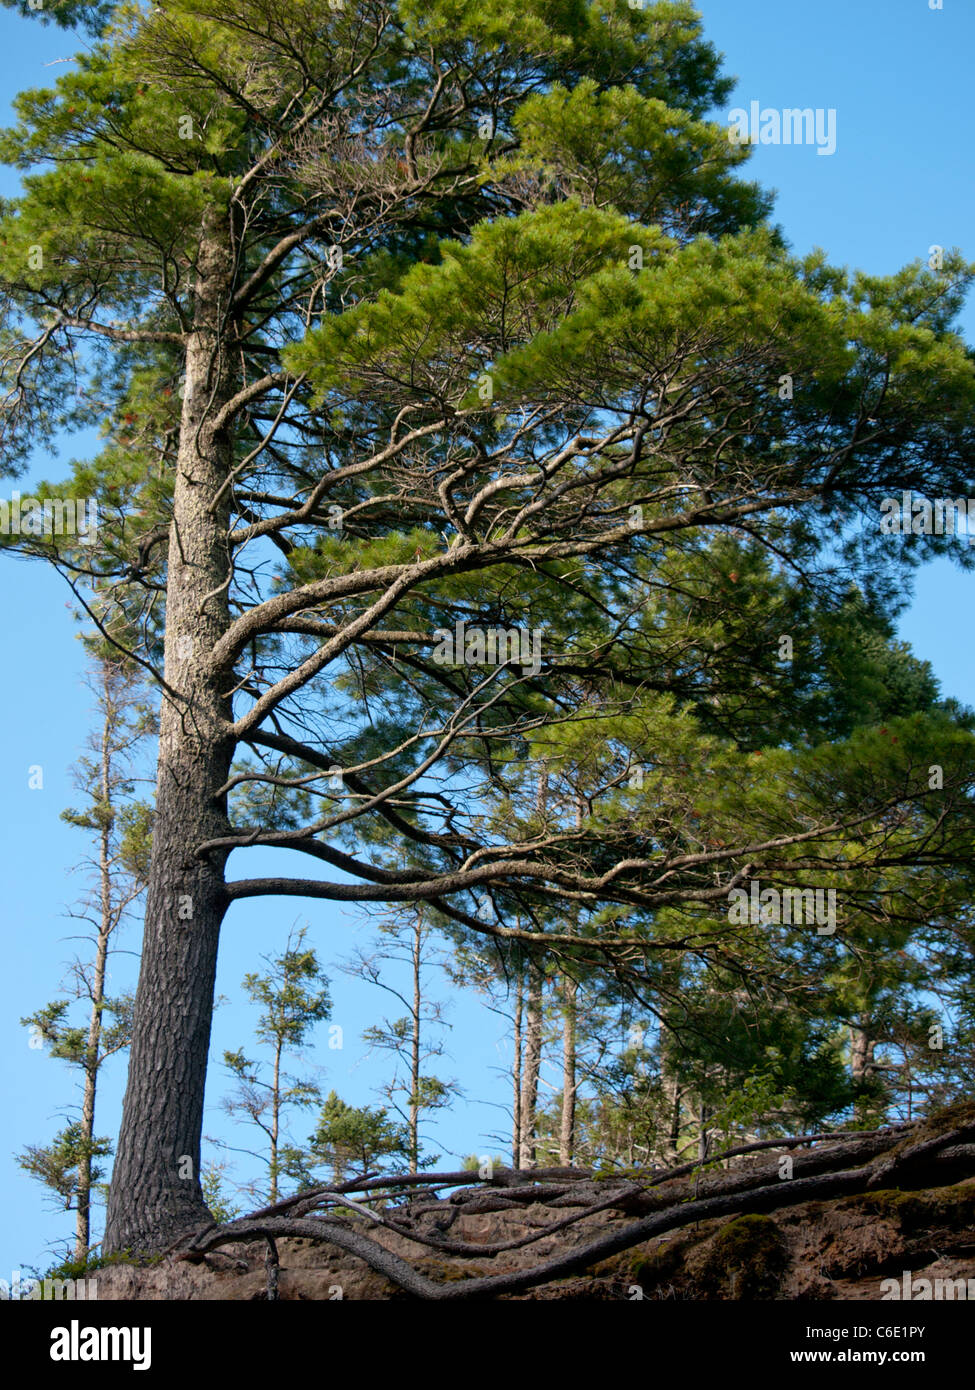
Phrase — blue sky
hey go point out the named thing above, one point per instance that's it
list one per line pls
(898, 75)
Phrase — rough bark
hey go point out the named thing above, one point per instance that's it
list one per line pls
(155, 1188)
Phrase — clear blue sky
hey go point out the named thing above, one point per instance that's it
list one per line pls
(898, 75)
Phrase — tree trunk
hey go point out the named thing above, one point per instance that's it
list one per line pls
(155, 1189)
(414, 1112)
(105, 924)
(862, 1048)
(531, 1065)
(567, 1133)
(703, 1135)
(275, 1120)
(83, 1214)
(674, 1095)
(516, 1075)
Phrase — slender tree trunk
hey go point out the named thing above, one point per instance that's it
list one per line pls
(674, 1096)
(155, 1191)
(275, 1120)
(703, 1136)
(414, 1113)
(83, 1215)
(531, 1065)
(106, 924)
(567, 1133)
(532, 1050)
(516, 1076)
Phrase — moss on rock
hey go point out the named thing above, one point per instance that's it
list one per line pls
(746, 1259)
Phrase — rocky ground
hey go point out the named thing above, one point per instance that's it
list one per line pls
(914, 1211)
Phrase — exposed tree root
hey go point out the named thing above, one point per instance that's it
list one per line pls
(936, 1152)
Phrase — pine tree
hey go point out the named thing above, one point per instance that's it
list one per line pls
(416, 1037)
(120, 825)
(356, 1140)
(434, 345)
(294, 995)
